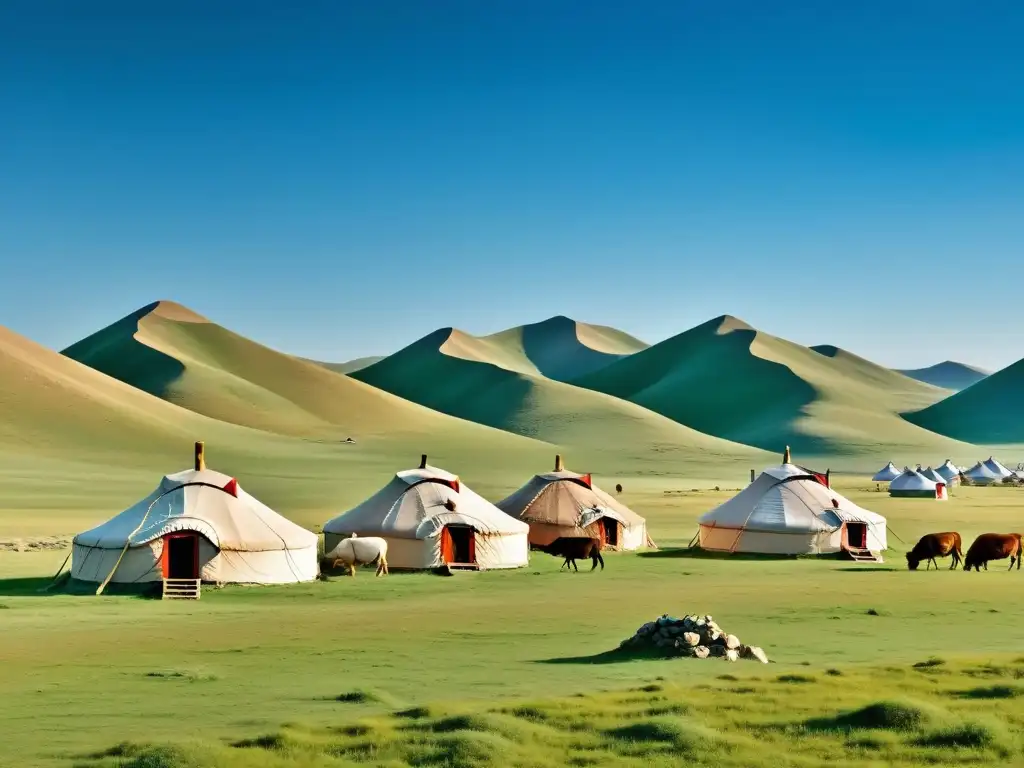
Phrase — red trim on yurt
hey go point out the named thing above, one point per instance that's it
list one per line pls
(231, 487)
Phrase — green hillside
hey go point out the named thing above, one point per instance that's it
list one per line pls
(492, 380)
(948, 375)
(728, 379)
(988, 412)
(77, 445)
(181, 357)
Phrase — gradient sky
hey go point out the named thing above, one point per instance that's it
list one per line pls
(340, 178)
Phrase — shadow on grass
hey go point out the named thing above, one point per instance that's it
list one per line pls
(867, 568)
(696, 553)
(45, 586)
(616, 656)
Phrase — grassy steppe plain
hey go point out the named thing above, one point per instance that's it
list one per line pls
(83, 674)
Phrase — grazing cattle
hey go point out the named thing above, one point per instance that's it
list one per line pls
(573, 549)
(934, 545)
(993, 546)
(355, 551)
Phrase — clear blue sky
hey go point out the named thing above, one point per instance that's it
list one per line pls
(340, 178)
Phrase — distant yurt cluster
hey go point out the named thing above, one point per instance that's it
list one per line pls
(935, 483)
(201, 526)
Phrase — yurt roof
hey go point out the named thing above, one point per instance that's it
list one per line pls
(888, 472)
(996, 468)
(788, 498)
(912, 480)
(418, 503)
(933, 475)
(948, 470)
(564, 498)
(981, 471)
(207, 502)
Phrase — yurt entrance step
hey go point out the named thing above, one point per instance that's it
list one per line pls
(181, 589)
(864, 556)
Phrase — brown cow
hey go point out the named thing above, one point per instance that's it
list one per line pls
(933, 545)
(573, 549)
(993, 546)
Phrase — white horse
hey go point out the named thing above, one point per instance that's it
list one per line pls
(355, 551)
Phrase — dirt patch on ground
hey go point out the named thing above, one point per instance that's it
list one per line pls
(36, 544)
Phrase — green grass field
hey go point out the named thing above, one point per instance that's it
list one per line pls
(266, 666)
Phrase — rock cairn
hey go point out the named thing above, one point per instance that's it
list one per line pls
(696, 637)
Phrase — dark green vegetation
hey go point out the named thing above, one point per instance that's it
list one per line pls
(844, 721)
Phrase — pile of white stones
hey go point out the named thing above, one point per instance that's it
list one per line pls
(696, 637)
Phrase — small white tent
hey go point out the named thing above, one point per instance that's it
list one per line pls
(886, 473)
(950, 472)
(980, 474)
(996, 468)
(790, 510)
(913, 484)
(567, 504)
(197, 524)
(933, 475)
(430, 519)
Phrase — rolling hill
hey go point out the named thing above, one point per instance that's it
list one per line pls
(988, 412)
(948, 375)
(349, 366)
(728, 379)
(497, 380)
(171, 352)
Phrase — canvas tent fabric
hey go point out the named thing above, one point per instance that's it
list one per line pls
(980, 474)
(949, 471)
(886, 473)
(420, 510)
(566, 504)
(933, 475)
(996, 468)
(915, 485)
(238, 538)
(788, 510)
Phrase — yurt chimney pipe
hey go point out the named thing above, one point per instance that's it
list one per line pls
(423, 461)
(558, 462)
(828, 478)
(786, 458)
(751, 475)
(200, 456)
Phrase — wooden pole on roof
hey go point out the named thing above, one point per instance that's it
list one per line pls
(423, 461)
(200, 456)
(786, 458)
(828, 478)
(751, 475)
(558, 462)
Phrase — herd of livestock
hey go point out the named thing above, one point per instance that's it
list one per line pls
(988, 546)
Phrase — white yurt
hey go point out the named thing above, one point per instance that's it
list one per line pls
(566, 504)
(886, 473)
(996, 468)
(933, 475)
(913, 484)
(431, 519)
(197, 524)
(980, 474)
(950, 472)
(790, 510)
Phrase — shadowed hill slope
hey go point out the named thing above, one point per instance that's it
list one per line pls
(988, 412)
(170, 352)
(490, 380)
(948, 375)
(728, 379)
(349, 366)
